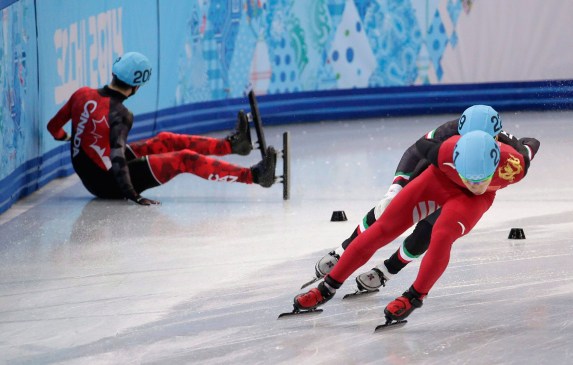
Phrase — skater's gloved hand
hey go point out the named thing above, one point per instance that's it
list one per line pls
(531, 144)
(390, 194)
(65, 138)
(144, 201)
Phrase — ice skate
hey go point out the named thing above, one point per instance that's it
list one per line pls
(313, 298)
(323, 267)
(240, 140)
(309, 302)
(403, 306)
(264, 171)
(370, 281)
(397, 310)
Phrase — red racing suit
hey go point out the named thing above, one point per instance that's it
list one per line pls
(439, 186)
(100, 125)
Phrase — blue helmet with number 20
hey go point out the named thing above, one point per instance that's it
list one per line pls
(133, 68)
(480, 118)
(476, 156)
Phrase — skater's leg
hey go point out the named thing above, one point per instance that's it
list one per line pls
(327, 262)
(366, 222)
(413, 246)
(170, 142)
(393, 221)
(382, 232)
(458, 217)
(166, 166)
(401, 213)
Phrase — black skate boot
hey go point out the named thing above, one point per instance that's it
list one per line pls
(240, 140)
(401, 307)
(313, 298)
(264, 171)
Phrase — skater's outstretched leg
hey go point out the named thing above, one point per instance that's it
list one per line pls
(413, 246)
(239, 142)
(165, 142)
(327, 262)
(166, 166)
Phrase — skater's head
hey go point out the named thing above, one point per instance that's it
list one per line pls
(129, 72)
(480, 118)
(476, 156)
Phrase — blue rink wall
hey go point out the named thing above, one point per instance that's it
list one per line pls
(306, 60)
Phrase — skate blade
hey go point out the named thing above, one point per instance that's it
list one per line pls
(314, 280)
(299, 312)
(390, 325)
(359, 293)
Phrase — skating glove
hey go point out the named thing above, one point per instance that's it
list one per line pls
(65, 138)
(390, 194)
(144, 201)
(531, 144)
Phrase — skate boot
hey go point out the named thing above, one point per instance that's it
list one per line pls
(240, 140)
(373, 279)
(314, 298)
(264, 171)
(326, 264)
(401, 307)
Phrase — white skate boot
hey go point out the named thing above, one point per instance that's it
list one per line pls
(372, 280)
(326, 264)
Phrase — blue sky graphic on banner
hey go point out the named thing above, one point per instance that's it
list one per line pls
(18, 124)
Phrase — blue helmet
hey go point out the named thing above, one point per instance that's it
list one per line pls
(133, 68)
(480, 118)
(476, 156)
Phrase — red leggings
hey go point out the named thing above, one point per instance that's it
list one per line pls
(170, 154)
(461, 210)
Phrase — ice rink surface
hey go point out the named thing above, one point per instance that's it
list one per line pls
(202, 278)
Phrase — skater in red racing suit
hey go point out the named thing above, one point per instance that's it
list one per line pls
(476, 117)
(465, 174)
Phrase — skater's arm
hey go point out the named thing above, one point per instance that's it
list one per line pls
(422, 165)
(528, 148)
(429, 149)
(411, 164)
(119, 129)
(56, 124)
(531, 145)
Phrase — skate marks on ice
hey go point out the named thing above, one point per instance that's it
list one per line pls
(234, 324)
(493, 294)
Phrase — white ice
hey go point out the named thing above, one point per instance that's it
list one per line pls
(202, 278)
